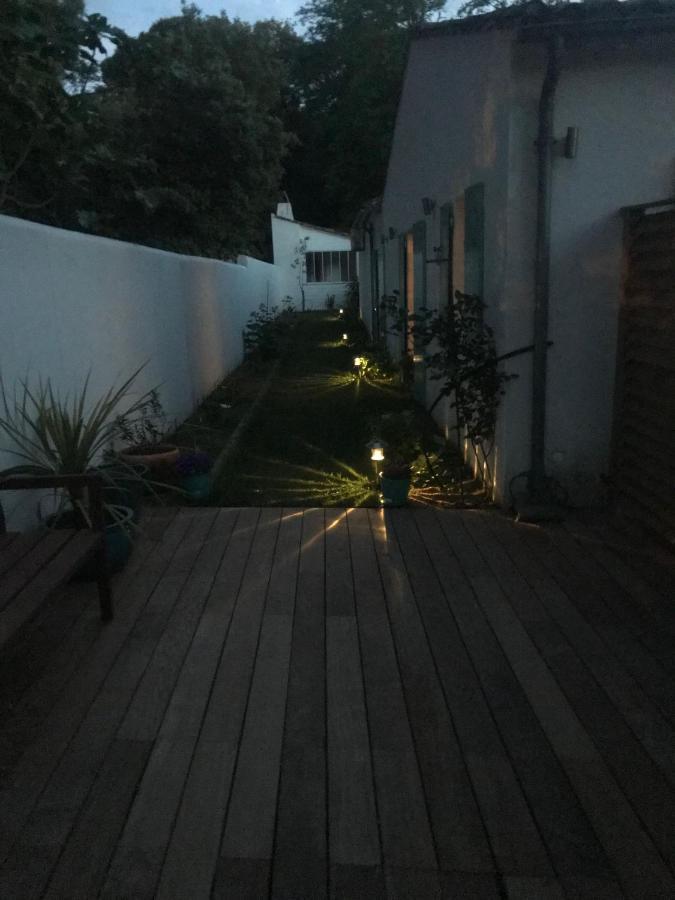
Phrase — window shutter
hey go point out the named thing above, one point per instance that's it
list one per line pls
(474, 240)
(420, 264)
(446, 246)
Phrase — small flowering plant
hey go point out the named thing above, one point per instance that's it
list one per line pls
(193, 463)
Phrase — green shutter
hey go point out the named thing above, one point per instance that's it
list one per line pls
(447, 236)
(401, 285)
(420, 298)
(420, 264)
(474, 240)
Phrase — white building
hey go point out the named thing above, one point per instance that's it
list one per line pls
(316, 263)
(592, 85)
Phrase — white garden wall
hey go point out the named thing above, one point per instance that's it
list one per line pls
(72, 303)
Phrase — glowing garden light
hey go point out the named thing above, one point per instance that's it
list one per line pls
(345, 337)
(376, 447)
(358, 362)
(342, 312)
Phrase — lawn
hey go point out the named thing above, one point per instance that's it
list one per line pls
(307, 443)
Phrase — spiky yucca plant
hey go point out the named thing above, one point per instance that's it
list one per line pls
(62, 434)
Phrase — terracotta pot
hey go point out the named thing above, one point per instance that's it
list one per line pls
(154, 456)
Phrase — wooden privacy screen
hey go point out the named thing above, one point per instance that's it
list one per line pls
(643, 465)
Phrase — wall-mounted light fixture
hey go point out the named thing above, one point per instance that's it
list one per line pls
(567, 146)
(571, 142)
(428, 205)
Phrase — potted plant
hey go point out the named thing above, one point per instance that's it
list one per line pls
(119, 532)
(141, 429)
(193, 467)
(400, 434)
(395, 482)
(52, 433)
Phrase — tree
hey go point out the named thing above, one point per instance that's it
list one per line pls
(476, 7)
(191, 140)
(346, 80)
(49, 52)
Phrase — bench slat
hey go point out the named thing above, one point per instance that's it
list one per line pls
(47, 578)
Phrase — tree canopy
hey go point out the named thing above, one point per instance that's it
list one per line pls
(348, 78)
(184, 136)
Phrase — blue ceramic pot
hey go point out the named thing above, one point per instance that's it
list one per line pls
(394, 491)
(197, 487)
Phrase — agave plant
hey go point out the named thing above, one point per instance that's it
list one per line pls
(62, 434)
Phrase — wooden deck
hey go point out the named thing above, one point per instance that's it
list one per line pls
(302, 704)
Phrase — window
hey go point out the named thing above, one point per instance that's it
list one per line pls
(331, 265)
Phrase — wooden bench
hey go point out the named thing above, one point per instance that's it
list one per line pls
(35, 564)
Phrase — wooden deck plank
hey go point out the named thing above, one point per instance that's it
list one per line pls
(300, 857)
(86, 854)
(642, 714)
(136, 865)
(33, 770)
(284, 577)
(514, 838)
(59, 644)
(339, 584)
(533, 889)
(76, 772)
(606, 548)
(148, 707)
(569, 838)
(458, 830)
(352, 828)
(26, 567)
(51, 575)
(205, 744)
(249, 829)
(13, 547)
(606, 806)
(637, 774)
(192, 854)
(582, 589)
(469, 886)
(404, 825)
(410, 884)
(37, 793)
(357, 883)
(616, 600)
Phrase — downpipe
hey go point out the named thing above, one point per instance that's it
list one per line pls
(538, 483)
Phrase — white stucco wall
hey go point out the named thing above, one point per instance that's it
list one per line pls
(72, 303)
(286, 237)
(452, 132)
(621, 97)
(468, 114)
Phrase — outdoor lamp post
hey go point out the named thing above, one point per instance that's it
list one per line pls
(342, 312)
(376, 447)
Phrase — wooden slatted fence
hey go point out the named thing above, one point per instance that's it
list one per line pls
(643, 464)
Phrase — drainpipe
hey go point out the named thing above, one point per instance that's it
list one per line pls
(537, 476)
(371, 293)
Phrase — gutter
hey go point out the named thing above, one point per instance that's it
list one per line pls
(538, 483)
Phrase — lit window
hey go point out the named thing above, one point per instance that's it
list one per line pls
(336, 266)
